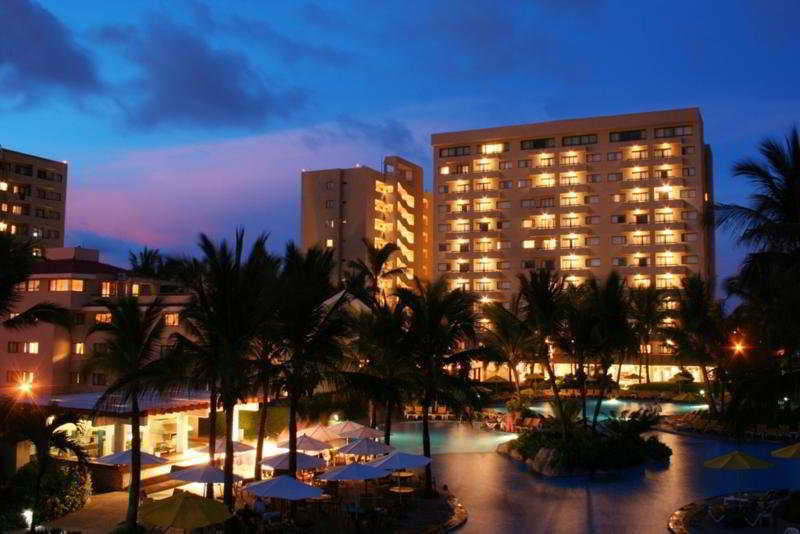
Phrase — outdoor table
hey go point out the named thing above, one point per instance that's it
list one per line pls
(401, 490)
(321, 498)
(403, 474)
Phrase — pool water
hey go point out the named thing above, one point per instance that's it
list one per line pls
(615, 406)
(501, 496)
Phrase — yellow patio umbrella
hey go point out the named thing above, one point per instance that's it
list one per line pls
(183, 510)
(792, 451)
(736, 461)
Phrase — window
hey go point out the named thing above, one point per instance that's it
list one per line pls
(102, 318)
(506, 184)
(618, 219)
(673, 131)
(592, 241)
(454, 151)
(463, 267)
(30, 285)
(548, 202)
(529, 243)
(505, 165)
(569, 179)
(328, 185)
(533, 144)
(79, 348)
(495, 148)
(74, 378)
(642, 218)
(462, 169)
(691, 260)
(549, 244)
(687, 150)
(463, 247)
(546, 161)
(569, 160)
(688, 171)
(329, 243)
(442, 189)
(24, 347)
(573, 140)
(529, 203)
(614, 176)
(689, 216)
(591, 199)
(444, 170)
(594, 178)
(640, 196)
(593, 219)
(524, 164)
(443, 227)
(64, 284)
(483, 285)
(330, 223)
(504, 284)
(26, 170)
(642, 261)
(593, 262)
(329, 204)
(688, 193)
(618, 240)
(639, 154)
(444, 247)
(569, 201)
(664, 237)
(98, 379)
(503, 245)
(171, 319)
(627, 135)
(503, 265)
(442, 267)
(662, 153)
(618, 197)
(689, 237)
(503, 225)
(482, 226)
(614, 156)
(528, 264)
(640, 239)
(523, 183)
(547, 181)
(594, 158)
(619, 262)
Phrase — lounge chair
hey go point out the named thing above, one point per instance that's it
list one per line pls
(718, 515)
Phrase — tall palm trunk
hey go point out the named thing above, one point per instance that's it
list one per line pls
(212, 437)
(228, 406)
(647, 359)
(262, 430)
(136, 466)
(37, 489)
(516, 378)
(373, 413)
(387, 431)
(293, 435)
(426, 446)
(599, 402)
(556, 394)
(712, 406)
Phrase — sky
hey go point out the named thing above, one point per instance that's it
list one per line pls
(187, 116)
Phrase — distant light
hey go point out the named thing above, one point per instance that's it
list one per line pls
(27, 515)
(702, 392)
(25, 387)
(738, 347)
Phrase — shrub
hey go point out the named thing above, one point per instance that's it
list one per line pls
(65, 488)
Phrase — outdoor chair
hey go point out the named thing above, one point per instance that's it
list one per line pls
(716, 512)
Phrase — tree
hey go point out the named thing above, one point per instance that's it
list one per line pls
(130, 352)
(230, 306)
(369, 275)
(544, 294)
(442, 328)
(311, 330)
(699, 330)
(41, 425)
(509, 337)
(648, 314)
(16, 265)
(381, 371)
(575, 337)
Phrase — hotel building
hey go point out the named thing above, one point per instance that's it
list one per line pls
(340, 207)
(33, 194)
(583, 196)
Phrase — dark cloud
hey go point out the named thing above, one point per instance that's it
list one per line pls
(389, 135)
(38, 54)
(183, 80)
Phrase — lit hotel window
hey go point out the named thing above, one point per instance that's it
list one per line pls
(102, 318)
(79, 348)
(171, 319)
(329, 243)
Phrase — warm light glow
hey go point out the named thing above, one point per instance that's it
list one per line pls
(25, 387)
(739, 348)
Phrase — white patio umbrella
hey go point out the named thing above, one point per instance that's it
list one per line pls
(344, 426)
(353, 472)
(219, 447)
(319, 432)
(400, 460)
(283, 487)
(202, 473)
(304, 461)
(125, 457)
(361, 433)
(366, 447)
(306, 443)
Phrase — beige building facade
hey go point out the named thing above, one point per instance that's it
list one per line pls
(33, 194)
(585, 197)
(340, 207)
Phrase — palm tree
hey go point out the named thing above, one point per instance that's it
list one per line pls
(544, 294)
(310, 328)
(771, 224)
(648, 313)
(699, 330)
(369, 275)
(442, 324)
(130, 352)
(508, 336)
(575, 337)
(230, 306)
(41, 425)
(16, 265)
(612, 329)
(381, 370)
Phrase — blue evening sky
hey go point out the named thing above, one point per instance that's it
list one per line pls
(186, 116)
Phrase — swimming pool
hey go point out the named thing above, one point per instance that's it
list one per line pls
(615, 406)
(501, 496)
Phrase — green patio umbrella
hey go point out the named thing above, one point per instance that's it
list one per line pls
(736, 461)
